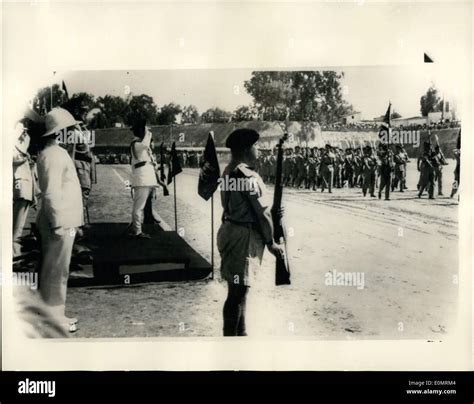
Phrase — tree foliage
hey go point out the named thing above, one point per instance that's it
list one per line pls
(114, 109)
(167, 114)
(305, 95)
(42, 101)
(430, 102)
(395, 115)
(190, 115)
(141, 107)
(216, 115)
(245, 113)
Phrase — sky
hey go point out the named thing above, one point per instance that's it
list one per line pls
(368, 88)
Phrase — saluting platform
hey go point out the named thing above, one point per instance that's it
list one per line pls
(119, 258)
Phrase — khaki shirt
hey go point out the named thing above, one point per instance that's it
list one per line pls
(239, 185)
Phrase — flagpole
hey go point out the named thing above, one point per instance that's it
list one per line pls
(175, 210)
(212, 235)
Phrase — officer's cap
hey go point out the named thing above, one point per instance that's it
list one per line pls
(242, 138)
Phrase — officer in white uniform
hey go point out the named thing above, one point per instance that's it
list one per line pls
(144, 177)
(23, 186)
(60, 213)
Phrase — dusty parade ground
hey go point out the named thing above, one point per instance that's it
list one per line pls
(406, 250)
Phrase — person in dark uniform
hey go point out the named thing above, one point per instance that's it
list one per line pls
(400, 166)
(349, 168)
(386, 170)
(287, 166)
(369, 171)
(313, 168)
(245, 230)
(426, 169)
(338, 168)
(438, 162)
(327, 169)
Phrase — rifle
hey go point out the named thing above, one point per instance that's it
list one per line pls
(443, 162)
(282, 270)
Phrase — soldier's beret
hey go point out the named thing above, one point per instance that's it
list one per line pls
(241, 139)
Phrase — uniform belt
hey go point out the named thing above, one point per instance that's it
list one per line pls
(81, 157)
(141, 164)
(249, 225)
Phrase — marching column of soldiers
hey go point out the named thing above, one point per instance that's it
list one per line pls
(369, 168)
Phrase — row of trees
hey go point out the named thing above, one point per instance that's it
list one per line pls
(118, 110)
(302, 96)
(308, 96)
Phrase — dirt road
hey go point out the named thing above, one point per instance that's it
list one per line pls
(404, 250)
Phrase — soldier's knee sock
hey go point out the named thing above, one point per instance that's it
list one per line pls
(230, 318)
(234, 307)
(241, 332)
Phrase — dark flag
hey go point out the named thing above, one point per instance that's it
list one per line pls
(175, 166)
(45, 106)
(210, 171)
(65, 90)
(386, 125)
(162, 162)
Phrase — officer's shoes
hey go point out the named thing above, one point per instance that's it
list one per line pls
(143, 236)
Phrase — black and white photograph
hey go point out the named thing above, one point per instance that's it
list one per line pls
(294, 202)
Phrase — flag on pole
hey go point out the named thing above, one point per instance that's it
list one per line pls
(65, 90)
(174, 164)
(384, 131)
(162, 162)
(210, 171)
(45, 106)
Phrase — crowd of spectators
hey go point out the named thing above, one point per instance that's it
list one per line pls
(374, 126)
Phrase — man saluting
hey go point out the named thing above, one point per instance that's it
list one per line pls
(144, 178)
(246, 227)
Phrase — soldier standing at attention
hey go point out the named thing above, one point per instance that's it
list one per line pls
(427, 173)
(349, 168)
(400, 165)
(272, 165)
(438, 162)
(327, 169)
(406, 161)
(369, 171)
(245, 230)
(312, 169)
(23, 186)
(338, 168)
(386, 169)
(358, 167)
(286, 167)
(296, 167)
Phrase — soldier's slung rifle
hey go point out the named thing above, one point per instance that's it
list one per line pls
(282, 269)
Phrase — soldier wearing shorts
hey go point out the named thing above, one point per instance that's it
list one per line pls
(245, 230)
